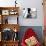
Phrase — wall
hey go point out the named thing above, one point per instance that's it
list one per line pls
(7, 3)
(32, 4)
(25, 4)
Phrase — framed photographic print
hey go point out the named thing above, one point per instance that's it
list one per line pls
(5, 12)
(30, 13)
(13, 12)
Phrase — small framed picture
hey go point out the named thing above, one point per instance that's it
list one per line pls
(5, 12)
(13, 12)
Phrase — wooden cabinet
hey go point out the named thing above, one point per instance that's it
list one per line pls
(10, 43)
(9, 23)
(9, 15)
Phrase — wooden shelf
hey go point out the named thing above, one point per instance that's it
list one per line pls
(9, 43)
(9, 8)
(10, 26)
(4, 24)
(7, 13)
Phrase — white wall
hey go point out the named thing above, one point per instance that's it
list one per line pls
(7, 3)
(32, 4)
(25, 4)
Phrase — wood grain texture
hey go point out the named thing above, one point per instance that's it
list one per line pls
(10, 26)
(10, 43)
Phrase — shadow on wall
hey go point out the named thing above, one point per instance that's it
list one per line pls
(37, 29)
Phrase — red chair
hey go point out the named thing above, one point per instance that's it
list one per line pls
(29, 33)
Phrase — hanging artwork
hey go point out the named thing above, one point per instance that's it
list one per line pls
(5, 12)
(30, 13)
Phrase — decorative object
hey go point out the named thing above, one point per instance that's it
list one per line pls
(5, 12)
(13, 12)
(15, 37)
(30, 38)
(31, 41)
(7, 34)
(15, 30)
(30, 13)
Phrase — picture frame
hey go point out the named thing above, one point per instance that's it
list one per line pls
(5, 12)
(30, 13)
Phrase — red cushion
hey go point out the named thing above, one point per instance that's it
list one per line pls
(29, 33)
